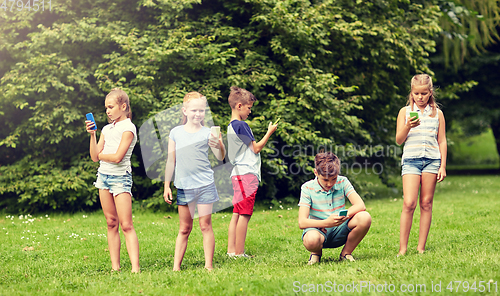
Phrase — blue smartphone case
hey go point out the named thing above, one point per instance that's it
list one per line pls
(90, 117)
(343, 213)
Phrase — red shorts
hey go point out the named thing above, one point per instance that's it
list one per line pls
(245, 189)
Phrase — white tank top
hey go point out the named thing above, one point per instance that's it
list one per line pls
(422, 140)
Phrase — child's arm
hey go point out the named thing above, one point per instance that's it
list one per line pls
(443, 146)
(257, 147)
(305, 222)
(403, 128)
(169, 171)
(217, 147)
(357, 204)
(127, 138)
(95, 147)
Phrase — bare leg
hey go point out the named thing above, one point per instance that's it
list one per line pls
(241, 234)
(123, 204)
(359, 225)
(109, 210)
(411, 183)
(231, 233)
(426, 198)
(185, 227)
(313, 241)
(205, 213)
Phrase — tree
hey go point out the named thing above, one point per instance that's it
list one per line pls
(336, 72)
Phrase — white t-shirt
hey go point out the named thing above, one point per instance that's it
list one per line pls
(112, 137)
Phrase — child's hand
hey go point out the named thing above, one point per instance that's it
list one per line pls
(335, 220)
(413, 122)
(214, 142)
(89, 124)
(441, 174)
(167, 195)
(271, 128)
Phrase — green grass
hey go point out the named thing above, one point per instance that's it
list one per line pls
(478, 152)
(69, 255)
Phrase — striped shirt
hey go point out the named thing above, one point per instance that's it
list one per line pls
(422, 140)
(324, 203)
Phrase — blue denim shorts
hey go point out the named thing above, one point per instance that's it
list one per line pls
(116, 184)
(334, 237)
(417, 166)
(202, 195)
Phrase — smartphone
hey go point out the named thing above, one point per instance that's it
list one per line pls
(277, 121)
(413, 114)
(215, 130)
(90, 117)
(343, 213)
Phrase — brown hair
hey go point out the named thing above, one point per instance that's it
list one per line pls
(193, 95)
(121, 97)
(423, 79)
(240, 95)
(327, 164)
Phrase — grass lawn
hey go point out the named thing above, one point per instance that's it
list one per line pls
(477, 152)
(66, 254)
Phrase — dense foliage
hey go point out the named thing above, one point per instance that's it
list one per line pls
(336, 72)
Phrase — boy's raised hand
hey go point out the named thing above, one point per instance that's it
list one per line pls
(271, 128)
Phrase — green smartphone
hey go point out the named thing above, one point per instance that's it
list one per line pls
(277, 120)
(413, 114)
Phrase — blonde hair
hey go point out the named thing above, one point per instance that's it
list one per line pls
(240, 95)
(121, 97)
(193, 95)
(426, 80)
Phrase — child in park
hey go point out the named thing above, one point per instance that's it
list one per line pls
(114, 177)
(194, 178)
(421, 126)
(321, 200)
(244, 154)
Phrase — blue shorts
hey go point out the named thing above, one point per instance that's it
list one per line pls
(115, 184)
(203, 195)
(334, 237)
(417, 166)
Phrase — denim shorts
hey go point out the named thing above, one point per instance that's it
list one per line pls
(334, 237)
(202, 195)
(417, 166)
(116, 184)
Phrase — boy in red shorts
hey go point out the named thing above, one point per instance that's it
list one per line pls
(244, 154)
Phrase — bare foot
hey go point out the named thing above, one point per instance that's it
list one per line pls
(209, 268)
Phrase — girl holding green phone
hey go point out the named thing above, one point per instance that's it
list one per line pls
(421, 127)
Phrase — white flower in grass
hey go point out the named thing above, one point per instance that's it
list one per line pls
(21, 217)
